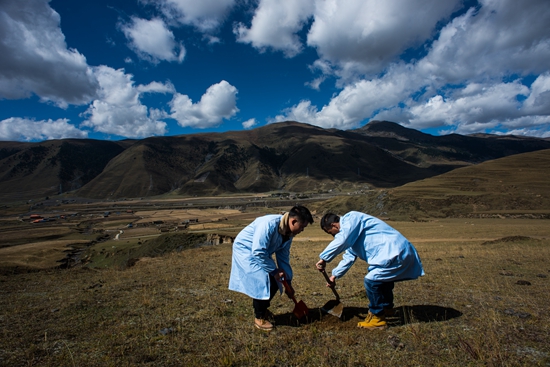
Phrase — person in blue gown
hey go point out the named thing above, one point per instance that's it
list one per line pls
(254, 272)
(390, 256)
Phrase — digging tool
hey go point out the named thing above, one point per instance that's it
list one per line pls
(333, 307)
(300, 308)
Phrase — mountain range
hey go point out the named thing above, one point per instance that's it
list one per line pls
(288, 156)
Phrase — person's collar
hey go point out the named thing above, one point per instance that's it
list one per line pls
(284, 228)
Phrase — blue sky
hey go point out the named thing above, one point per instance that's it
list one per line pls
(108, 69)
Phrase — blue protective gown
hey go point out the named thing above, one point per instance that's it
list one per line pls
(252, 260)
(391, 257)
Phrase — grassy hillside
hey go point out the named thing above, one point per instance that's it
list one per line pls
(446, 151)
(289, 156)
(482, 302)
(32, 170)
(510, 186)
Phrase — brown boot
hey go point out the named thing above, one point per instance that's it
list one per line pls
(373, 322)
(263, 324)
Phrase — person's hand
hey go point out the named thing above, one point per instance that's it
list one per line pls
(321, 265)
(279, 275)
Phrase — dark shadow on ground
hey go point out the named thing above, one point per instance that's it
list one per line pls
(288, 319)
(403, 315)
(421, 313)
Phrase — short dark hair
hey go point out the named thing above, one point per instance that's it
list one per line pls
(301, 213)
(328, 219)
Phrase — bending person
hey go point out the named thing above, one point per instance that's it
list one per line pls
(253, 270)
(390, 256)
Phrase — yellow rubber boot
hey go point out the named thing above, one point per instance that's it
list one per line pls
(373, 322)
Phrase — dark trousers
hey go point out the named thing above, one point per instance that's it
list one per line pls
(380, 295)
(261, 305)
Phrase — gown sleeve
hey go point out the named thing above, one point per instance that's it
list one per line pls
(260, 244)
(345, 264)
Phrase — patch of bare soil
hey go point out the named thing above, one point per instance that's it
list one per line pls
(508, 239)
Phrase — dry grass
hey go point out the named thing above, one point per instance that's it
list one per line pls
(186, 214)
(27, 246)
(24, 233)
(37, 255)
(515, 186)
(176, 310)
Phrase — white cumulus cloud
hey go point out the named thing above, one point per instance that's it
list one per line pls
(363, 36)
(153, 41)
(156, 87)
(470, 77)
(475, 103)
(250, 123)
(205, 15)
(275, 25)
(352, 105)
(119, 111)
(218, 103)
(501, 38)
(22, 129)
(35, 59)
(538, 101)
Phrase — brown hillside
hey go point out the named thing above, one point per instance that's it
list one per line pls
(447, 151)
(510, 186)
(31, 170)
(288, 156)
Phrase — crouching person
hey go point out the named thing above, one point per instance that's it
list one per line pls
(390, 256)
(254, 272)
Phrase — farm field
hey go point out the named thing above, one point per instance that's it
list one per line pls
(483, 301)
(27, 246)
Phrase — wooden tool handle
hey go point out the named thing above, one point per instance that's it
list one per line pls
(288, 290)
(331, 284)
